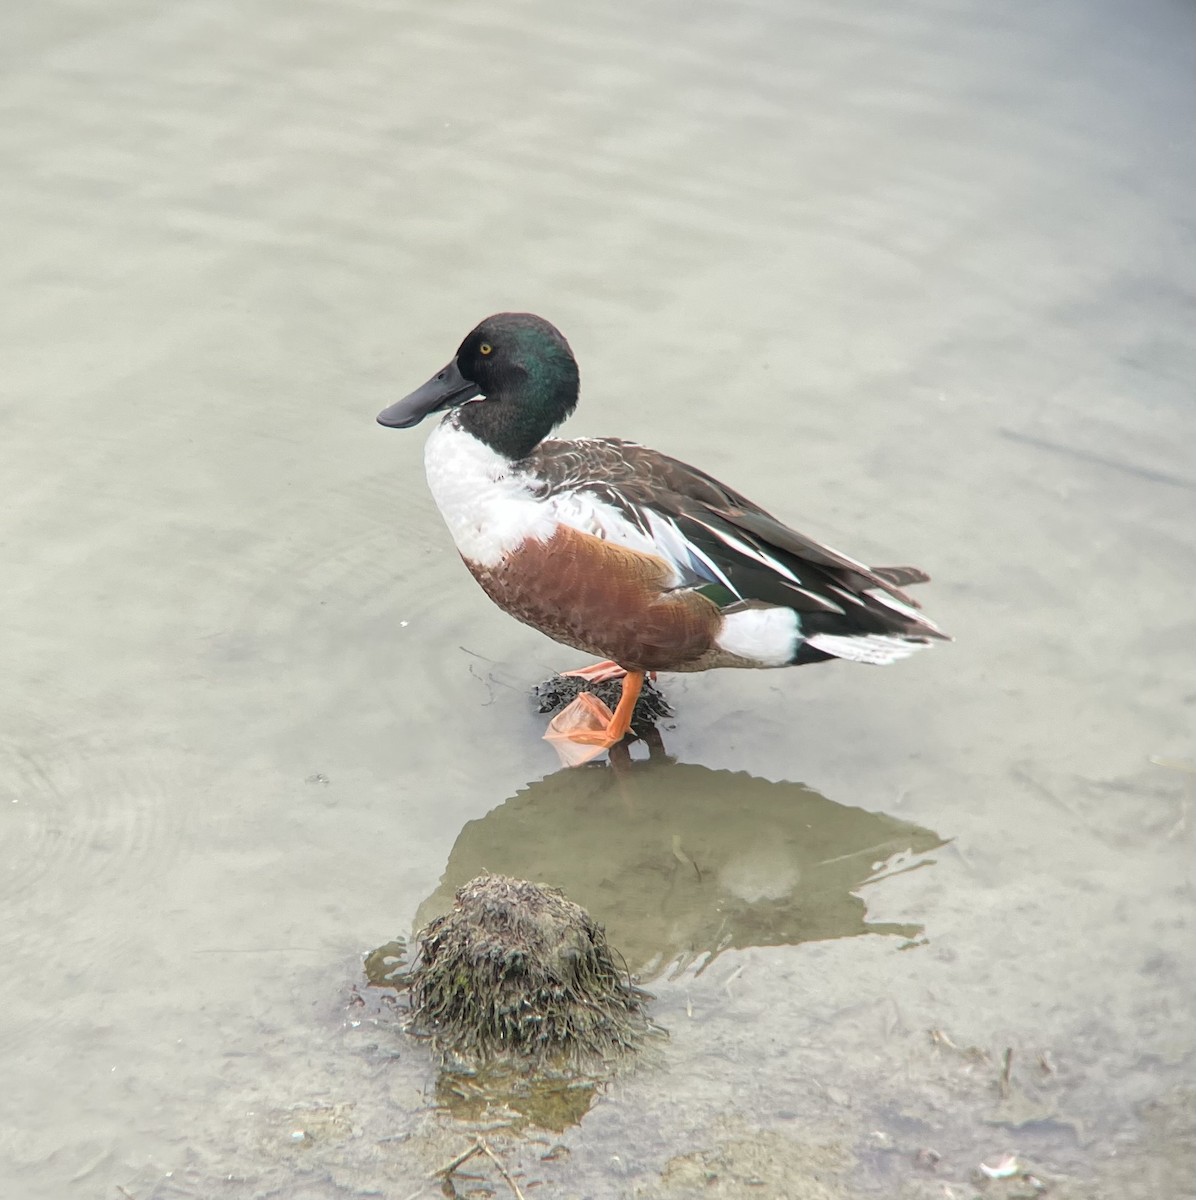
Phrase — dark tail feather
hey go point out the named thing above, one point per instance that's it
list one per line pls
(901, 576)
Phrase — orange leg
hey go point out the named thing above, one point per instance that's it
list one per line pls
(587, 727)
(620, 723)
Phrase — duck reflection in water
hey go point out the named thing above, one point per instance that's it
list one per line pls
(680, 862)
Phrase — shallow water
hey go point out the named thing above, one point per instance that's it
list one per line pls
(918, 279)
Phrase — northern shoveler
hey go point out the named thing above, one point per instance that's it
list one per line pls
(623, 552)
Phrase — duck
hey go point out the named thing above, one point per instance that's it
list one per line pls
(624, 553)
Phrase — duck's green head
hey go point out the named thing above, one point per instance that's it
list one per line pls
(514, 380)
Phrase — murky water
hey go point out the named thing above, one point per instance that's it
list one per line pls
(918, 278)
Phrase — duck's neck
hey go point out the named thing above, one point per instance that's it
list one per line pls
(523, 409)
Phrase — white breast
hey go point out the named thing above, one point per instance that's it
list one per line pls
(488, 509)
(491, 509)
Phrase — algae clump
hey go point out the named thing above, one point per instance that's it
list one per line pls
(518, 969)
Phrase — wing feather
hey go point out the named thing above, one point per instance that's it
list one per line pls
(713, 535)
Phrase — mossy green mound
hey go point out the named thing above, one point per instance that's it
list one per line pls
(519, 969)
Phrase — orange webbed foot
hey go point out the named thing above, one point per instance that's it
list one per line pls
(586, 727)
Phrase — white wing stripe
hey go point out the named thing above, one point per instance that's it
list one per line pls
(749, 551)
(849, 596)
(897, 606)
(823, 603)
(680, 549)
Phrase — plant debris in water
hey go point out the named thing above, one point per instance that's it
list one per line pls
(557, 693)
(514, 1098)
(387, 966)
(516, 968)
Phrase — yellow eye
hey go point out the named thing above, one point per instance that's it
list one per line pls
(485, 348)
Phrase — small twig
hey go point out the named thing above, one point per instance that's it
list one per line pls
(501, 1169)
(1181, 823)
(1007, 1073)
(485, 683)
(125, 1192)
(732, 977)
(684, 858)
(450, 1167)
